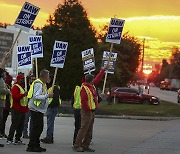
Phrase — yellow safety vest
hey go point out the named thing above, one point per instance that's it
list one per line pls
(91, 102)
(31, 90)
(3, 97)
(51, 99)
(77, 98)
(24, 100)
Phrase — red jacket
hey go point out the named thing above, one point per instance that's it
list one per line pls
(84, 97)
(16, 96)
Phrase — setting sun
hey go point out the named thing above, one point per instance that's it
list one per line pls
(147, 69)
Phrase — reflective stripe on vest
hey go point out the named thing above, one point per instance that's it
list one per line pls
(31, 91)
(51, 99)
(91, 102)
(77, 98)
(24, 100)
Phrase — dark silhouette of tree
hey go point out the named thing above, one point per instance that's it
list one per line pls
(69, 23)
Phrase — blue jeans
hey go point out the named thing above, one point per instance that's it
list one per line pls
(26, 121)
(51, 114)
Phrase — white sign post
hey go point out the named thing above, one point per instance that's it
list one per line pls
(24, 59)
(58, 57)
(113, 36)
(88, 60)
(37, 49)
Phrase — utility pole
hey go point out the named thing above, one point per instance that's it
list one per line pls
(142, 58)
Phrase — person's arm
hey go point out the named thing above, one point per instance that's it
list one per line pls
(16, 93)
(98, 77)
(5, 59)
(37, 95)
(84, 100)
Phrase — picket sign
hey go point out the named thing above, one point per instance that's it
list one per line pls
(58, 57)
(88, 60)
(105, 78)
(37, 49)
(113, 36)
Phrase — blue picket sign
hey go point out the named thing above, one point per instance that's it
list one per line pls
(36, 46)
(27, 16)
(59, 54)
(24, 57)
(115, 31)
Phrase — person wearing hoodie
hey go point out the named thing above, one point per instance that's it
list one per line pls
(89, 103)
(19, 108)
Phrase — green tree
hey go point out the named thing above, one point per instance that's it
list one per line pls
(165, 70)
(69, 23)
(175, 63)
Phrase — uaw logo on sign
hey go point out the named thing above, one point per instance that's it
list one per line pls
(88, 60)
(115, 31)
(24, 57)
(36, 46)
(27, 16)
(59, 54)
(112, 61)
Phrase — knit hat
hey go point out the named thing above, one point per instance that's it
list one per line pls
(20, 76)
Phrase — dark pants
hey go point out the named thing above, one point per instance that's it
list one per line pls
(1, 115)
(77, 123)
(37, 128)
(4, 119)
(17, 124)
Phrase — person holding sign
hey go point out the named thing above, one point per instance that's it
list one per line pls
(89, 103)
(19, 108)
(38, 104)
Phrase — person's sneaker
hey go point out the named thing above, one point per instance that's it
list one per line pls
(26, 136)
(1, 136)
(4, 136)
(88, 150)
(33, 149)
(42, 149)
(1, 145)
(78, 149)
(8, 142)
(47, 140)
(19, 142)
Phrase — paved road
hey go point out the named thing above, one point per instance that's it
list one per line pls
(170, 96)
(111, 136)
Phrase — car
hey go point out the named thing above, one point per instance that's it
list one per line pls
(178, 97)
(131, 95)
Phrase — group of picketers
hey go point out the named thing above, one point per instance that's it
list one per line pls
(39, 98)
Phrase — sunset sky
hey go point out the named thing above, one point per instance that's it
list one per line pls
(158, 21)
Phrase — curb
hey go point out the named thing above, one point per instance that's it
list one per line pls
(126, 117)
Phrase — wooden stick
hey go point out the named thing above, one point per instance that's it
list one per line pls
(105, 79)
(55, 74)
(36, 63)
(11, 49)
(25, 80)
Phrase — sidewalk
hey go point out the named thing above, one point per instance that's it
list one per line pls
(166, 142)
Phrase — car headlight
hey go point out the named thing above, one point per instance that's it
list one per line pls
(153, 97)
